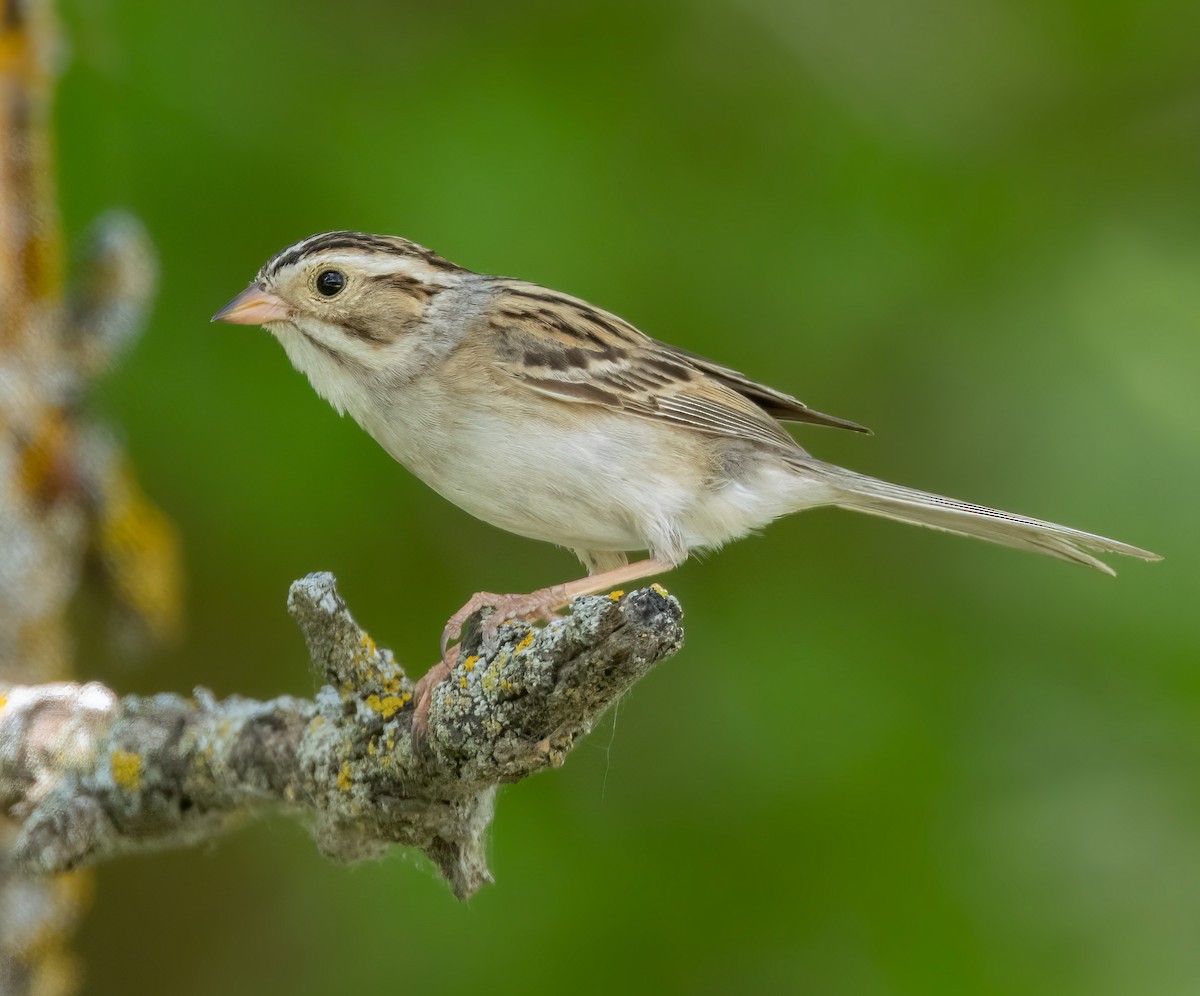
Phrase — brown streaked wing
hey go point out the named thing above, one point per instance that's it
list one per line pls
(565, 348)
(774, 403)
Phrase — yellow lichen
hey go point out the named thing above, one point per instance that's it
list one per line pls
(344, 779)
(388, 705)
(371, 748)
(470, 662)
(658, 589)
(616, 595)
(126, 769)
(367, 644)
(462, 682)
(3, 700)
(317, 723)
(524, 644)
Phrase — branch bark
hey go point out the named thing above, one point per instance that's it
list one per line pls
(89, 775)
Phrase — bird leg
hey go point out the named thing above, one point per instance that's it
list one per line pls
(541, 605)
(537, 606)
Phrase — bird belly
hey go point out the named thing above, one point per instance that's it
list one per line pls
(594, 481)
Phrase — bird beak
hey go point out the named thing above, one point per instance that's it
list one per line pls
(253, 306)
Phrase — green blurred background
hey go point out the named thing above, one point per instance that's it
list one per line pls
(888, 760)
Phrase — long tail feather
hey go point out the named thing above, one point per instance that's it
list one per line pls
(892, 501)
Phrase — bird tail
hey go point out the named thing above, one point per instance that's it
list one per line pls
(892, 501)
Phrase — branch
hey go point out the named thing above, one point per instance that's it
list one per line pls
(88, 775)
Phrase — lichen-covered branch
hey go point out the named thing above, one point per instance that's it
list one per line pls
(88, 775)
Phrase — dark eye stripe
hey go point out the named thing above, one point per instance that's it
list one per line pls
(414, 288)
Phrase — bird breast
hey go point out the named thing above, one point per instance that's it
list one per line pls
(579, 477)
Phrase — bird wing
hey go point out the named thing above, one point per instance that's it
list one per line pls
(565, 348)
(775, 403)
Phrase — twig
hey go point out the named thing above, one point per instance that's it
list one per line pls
(89, 775)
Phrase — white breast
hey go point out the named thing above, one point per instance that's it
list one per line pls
(602, 481)
(587, 480)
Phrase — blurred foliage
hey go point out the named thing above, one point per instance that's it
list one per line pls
(889, 761)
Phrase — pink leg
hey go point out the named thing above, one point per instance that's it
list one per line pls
(423, 697)
(543, 605)
(537, 606)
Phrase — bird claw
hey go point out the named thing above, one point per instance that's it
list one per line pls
(455, 624)
(537, 606)
(423, 696)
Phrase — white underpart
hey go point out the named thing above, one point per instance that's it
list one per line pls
(602, 485)
(329, 380)
(609, 482)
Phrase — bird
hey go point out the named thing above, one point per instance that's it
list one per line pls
(554, 419)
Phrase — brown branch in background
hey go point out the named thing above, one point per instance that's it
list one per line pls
(66, 492)
(89, 775)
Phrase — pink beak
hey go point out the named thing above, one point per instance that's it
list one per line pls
(253, 306)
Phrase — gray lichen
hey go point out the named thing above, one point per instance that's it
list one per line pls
(89, 775)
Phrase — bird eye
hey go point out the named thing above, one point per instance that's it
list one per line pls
(330, 282)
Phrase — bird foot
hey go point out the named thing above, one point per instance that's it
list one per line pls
(537, 606)
(423, 696)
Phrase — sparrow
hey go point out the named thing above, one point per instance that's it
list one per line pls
(556, 420)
